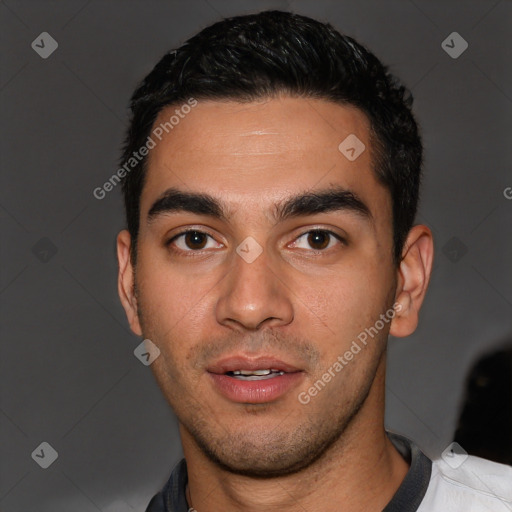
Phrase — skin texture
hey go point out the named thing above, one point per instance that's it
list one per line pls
(299, 303)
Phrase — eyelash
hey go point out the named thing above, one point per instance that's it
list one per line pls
(192, 252)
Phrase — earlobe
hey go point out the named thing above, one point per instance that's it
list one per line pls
(125, 282)
(413, 278)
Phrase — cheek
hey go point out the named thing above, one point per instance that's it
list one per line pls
(167, 296)
(349, 301)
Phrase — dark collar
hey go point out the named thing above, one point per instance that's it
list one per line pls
(412, 490)
(406, 499)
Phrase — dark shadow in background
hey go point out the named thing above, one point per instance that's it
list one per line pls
(485, 423)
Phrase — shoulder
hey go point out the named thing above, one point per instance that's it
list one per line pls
(475, 484)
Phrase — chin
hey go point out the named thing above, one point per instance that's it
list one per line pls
(277, 454)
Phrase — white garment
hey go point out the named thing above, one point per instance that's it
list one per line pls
(477, 485)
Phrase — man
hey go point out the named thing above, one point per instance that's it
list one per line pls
(270, 251)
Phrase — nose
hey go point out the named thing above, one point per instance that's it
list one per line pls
(252, 296)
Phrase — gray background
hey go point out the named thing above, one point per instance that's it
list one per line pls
(68, 373)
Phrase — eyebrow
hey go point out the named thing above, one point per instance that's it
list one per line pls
(331, 199)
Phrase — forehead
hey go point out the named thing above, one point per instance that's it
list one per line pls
(256, 153)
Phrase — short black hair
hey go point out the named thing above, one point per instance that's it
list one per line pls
(272, 53)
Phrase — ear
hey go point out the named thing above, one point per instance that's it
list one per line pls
(125, 281)
(413, 278)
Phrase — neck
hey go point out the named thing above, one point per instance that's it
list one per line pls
(362, 470)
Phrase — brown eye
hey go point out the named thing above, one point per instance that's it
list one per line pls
(195, 239)
(318, 240)
(191, 241)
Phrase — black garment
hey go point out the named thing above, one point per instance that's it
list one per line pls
(406, 499)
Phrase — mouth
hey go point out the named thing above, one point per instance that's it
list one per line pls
(254, 380)
(255, 374)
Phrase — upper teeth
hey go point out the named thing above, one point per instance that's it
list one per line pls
(254, 372)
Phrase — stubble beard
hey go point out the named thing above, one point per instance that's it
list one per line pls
(280, 451)
(271, 453)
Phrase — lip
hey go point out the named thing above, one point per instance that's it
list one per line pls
(253, 391)
(232, 363)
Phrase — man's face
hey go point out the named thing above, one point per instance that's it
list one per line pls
(298, 291)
